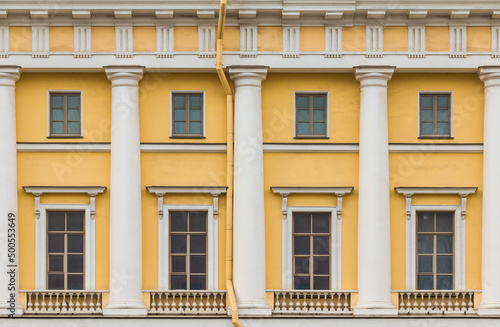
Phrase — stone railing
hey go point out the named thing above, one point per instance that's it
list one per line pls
(63, 302)
(311, 302)
(188, 302)
(436, 302)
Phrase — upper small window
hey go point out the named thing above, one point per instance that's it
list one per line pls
(435, 112)
(187, 115)
(65, 113)
(311, 115)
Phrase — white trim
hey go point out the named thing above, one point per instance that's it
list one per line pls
(164, 41)
(82, 41)
(124, 41)
(248, 41)
(436, 190)
(374, 41)
(172, 92)
(495, 41)
(327, 113)
(64, 189)
(49, 92)
(206, 41)
(212, 245)
(335, 247)
(4, 41)
(40, 41)
(41, 244)
(291, 41)
(416, 41)
(451, 120)
(458, 41)
(333, 41)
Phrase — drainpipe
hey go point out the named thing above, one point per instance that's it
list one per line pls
(229, 167)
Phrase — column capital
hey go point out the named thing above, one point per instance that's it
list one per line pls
(489, 75)
(9, 75)
(373, 75)
(248, 75)
(124, 75)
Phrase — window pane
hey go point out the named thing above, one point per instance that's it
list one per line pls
(301, 245)
(194, 115)
(198, 263)
(57, 127)
(303, 102)
(179, 101)
(302, 223)
(178, 221)
(444, 264)
(427, 128)
(444, 244)
(178, 282)
(180, 128)
(303, 115)
(427, 115)
(442, 102)
(75, 221)
(73, 128)
(444, 282)
(425, 222)
(425, 282)
(442, 128)
(303, 129)
(178, 263)
(198, 282)
(321, 244)
(178, 243)
(180, 114)
(57, 114)
(321, 282)
(198, 243)
(442, 115)
(56, 243)
(426, 102)
(301, 283)
(73, 102)
(75, 263)
(319, 102)
(321, 223)
(56, 263)
(56, 221)
(75, 282)
(195, 128)
(321, 265)
(197, 221)
(301, 265)
(75, 243)
(425, 244)
(319, 115)
(319, 128)
(56, 282)
(444, 222)
(195, 102)
(57, 101)
(425, 263)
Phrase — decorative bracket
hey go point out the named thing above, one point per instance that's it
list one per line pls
(408, 205)
(37, 204)
(284, 205)
(216, 204)
(463, 205)
(92, 205)
(339, 205)
(160, 205)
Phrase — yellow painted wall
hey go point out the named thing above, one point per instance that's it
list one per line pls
(144, 38)
(103, 38)
(231, 39)
(478, 38)
(395, 38)
(61, 38)
(269, 38)
(20, 38)
(354, 38)
(278, 98)
(312, 38)
(437, 38)
(31, 105)
(185, 38)
(468, 106)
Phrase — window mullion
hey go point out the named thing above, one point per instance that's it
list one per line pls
(187, 114)
(188, 255)
(311, 117)
(65, 114)
(434, 114)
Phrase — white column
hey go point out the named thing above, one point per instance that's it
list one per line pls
(125, 216)
(8, 190)
(374, 250)
(490, 304)
(249, 222)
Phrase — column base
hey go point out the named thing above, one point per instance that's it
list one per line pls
(253, 309)
(375, 309)
(489, 309)
(125, 309)
(7, 310)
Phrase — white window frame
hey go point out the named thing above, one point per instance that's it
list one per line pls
(327, 113)
(458, 251)
(49, 92)
(335, 246)
(41, 244)
(212, 245)
(172, 93)
(451, 94)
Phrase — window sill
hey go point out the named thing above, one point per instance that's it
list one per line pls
(187, 137)
(442, 137)
(309, 137)
(65, 137)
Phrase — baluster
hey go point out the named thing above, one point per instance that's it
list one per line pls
(450, 304)
(85, 307)
(91, 302)
(30, 304)
(98, 302)
(305, 302)
(42, 300)
(413, 300)
(277, 303)
(429, 302)
(188, 305)
(291, 306)
(153, 302)
(456, 306)
(195, 307)
(57, 303)
(70, 309)
(37, 305)
(77, 302)
(182, 306)
(174, 305)
(318, 301)
(50, 306)
(401, 301)
(222, 302)
(422, 302)
(214, 304)
(470, 306)
(462, 304)
(335, 299)
(443, 308)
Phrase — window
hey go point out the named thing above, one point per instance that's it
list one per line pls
(188, 250)
(311, 115)
(187, 114)
(311, 251)
(65, 114)
(65, 250)
(435, 115)
(435, 250)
